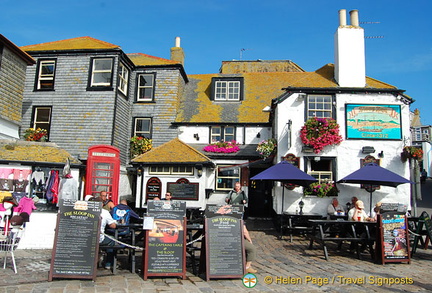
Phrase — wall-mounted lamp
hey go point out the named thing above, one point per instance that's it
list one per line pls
(381, 154)
(196, 136)
(301, 96)
(368, 150)
(139, 171)
(199, 168)
(301, 205)
(259, 134)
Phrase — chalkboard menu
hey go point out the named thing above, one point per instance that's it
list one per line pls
(184, 191)
(394, 238)
(76, 241)
(424, 228)
(224, 242)
(165, 253)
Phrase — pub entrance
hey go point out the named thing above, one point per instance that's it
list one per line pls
(260, 196)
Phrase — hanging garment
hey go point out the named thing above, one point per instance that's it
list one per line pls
(21, 173)
(5, 172)
(20, 185)
(6, 184)
(26, 205)
(38, 177)
(52, 187)
(18, 196)
(68, 189)
(4, 194)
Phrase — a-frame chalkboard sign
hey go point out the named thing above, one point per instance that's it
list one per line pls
(76, 241)
(224, 250)
(165, 244)
(393, 238)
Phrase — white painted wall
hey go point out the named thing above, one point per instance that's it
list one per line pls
(8, 130)
(348, 154)
(39, 232)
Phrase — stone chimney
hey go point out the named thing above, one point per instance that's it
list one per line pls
(350, 62)
(177, 53)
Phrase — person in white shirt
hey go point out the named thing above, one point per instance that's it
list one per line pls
(106, 220)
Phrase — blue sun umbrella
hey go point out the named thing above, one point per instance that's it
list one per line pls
(373, 174)
(285, 172)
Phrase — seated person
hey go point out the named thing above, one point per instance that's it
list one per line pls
(107, 204)
(250, 251)
(376, 211)
(335, 208)
(106, 221)
(357, 213)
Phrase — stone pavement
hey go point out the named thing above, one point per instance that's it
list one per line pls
(282, 266)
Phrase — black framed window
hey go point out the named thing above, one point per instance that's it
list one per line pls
(145, 87)
(227, 89)
(222, 133)
(45, 74)
(143, 127)
(42, 118)
(101, 73)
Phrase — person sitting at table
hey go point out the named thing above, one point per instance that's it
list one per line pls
(106, 222)
(250, 251)
(376, 210)
(107, 204)
(357, 213)
(335, 208)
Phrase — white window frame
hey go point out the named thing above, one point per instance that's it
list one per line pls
(97, 71)
(227, 90)
(123, 76)
(46, 77)
(172, 170)
(143, 133)
(322, 176)
(39, 123)
(143, 87)
(222, 133)
(320, 106)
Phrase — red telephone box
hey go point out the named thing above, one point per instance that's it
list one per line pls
(103, 171)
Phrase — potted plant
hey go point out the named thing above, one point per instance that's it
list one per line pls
(222, 147)
(267, 147)
(322, 189)
(37, 134)
(139, 145)
(319, 133)
(410, 152)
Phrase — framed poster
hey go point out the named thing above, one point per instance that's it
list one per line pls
(368, 121)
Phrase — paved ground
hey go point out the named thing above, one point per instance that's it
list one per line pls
(282, 266)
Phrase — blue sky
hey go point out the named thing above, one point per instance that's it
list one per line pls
(213, 31)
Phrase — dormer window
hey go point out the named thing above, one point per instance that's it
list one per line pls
(227, 89)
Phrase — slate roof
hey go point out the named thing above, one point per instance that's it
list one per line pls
(140, 59)
(34, 152)
(260, 88)
(173, 152)
(80, 43)
(246, 152)
(15, 49)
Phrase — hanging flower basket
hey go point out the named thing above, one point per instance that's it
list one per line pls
(410, 152)
(37, 134)
(139, 145)
(322, 189)
(319, 133)
(267, 147)
(222, 147)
